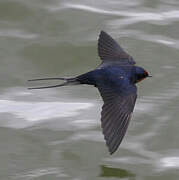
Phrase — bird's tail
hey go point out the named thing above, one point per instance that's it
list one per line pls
(67, 81)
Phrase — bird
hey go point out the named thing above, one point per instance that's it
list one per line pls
(115, 78)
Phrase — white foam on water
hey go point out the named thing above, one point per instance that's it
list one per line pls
(140, 15)
(169, 162)
(15, 33)
(36, 111)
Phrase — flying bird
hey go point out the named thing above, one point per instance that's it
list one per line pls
(116, 79)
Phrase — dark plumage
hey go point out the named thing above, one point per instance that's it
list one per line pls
(115, 79)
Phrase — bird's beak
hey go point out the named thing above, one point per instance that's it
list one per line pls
(149, 75)
(43, 87)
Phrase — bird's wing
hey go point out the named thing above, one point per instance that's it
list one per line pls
(109, 50)
(116, 114)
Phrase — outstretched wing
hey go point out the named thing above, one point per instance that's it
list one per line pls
(109, 50)
(116, 114)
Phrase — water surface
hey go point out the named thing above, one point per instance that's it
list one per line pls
(55, 133)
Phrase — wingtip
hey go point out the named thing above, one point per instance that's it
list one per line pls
(111, 151)
(102, 33)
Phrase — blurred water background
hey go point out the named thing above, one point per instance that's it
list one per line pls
(55, 133)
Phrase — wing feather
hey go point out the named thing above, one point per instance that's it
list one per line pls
(110, 50)
(115, 115)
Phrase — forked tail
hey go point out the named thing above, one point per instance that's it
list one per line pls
(67, 81)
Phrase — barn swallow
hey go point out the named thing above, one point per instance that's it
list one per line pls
(116, 79)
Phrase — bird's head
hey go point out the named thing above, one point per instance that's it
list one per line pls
(140, 74)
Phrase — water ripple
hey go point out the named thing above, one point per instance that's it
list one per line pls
(141, 16)
(136, 34)
(17, 34)
(40, 172)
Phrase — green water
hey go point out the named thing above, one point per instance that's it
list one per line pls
(55, 133)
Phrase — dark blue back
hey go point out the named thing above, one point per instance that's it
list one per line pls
(114, 76)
